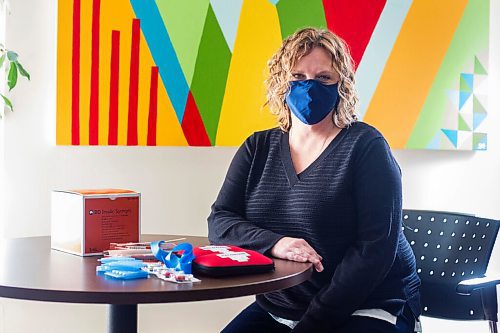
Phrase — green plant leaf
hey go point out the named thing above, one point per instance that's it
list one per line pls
(2, 59)
(7, 102)
(22, 71)
(12, 56)
(12, 77)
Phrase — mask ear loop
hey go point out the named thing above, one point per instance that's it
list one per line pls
(336, 107)
(335, 112)
(286, 104)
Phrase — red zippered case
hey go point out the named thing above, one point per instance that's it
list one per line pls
(225, 260)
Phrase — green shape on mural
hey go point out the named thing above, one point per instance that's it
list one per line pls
(478, 67)
(479, 141)
(184, 21)
(477, 107)
(462, 125)
(464, 86)
(210, 74)
(470, 38)
(296, 14)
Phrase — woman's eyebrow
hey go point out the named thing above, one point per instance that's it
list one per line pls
(326, 72)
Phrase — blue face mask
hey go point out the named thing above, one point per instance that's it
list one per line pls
(311, 100)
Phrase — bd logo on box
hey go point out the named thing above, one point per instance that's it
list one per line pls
(85, 222)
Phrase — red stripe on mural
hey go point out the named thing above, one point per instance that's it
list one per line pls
(153, 106)
(94, 75)
(114, 88)
(134, 84)
(192, 125)
(75, 76)
(354, 21)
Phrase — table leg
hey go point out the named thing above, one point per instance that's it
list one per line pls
(122, 318)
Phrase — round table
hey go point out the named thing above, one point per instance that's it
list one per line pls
(30, 270)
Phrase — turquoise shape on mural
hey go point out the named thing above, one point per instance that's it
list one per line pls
(453, 97)
(477, 119)
(464, 96)
(466, 82)
(228, 16)
(434, 143)
(164, 55)
(452, 135)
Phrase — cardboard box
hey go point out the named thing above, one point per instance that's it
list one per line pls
(84, 222)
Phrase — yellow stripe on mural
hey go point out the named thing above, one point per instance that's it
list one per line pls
(257, 38)
(85, 63)
(145, 63)
(123, 22)
(169, 131)
(412, 66)
(64, 51)
(106, 26)
(114, 17)
(120, 18)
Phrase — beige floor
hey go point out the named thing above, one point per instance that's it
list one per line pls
(29, 316)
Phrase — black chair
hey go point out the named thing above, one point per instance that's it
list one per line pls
(452, 251)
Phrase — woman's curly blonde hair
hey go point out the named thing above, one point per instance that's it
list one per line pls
(284, 60)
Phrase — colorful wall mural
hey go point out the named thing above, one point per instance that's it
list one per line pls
(190, 73)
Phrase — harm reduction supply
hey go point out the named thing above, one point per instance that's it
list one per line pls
(85, 222)
(175, 263)
(226, 260)
(172, 262)
(122, 268)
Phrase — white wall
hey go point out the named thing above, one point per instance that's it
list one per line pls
(178, 184)
(2, 84)
(2, 90)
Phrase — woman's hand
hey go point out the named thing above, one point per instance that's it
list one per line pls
(297, 249)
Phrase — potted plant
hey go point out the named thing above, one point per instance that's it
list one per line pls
(9, 61)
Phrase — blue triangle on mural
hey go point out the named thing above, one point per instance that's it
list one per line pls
(463, 98)
(274, 2)
(434, 143)
(478, 119)
(452, 135)
(453, 97)
(468, 78)
(228, 15)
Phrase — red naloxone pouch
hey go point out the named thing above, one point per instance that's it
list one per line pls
(223, 260)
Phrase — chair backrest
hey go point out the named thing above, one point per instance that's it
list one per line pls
(449, 248)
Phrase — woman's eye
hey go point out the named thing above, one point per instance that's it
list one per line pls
(324, 78)
(298, 76)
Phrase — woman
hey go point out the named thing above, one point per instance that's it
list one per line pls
(322, 188)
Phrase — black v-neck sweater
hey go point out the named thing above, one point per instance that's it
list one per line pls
(347, 205)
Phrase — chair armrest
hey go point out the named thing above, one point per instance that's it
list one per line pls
(466, 287)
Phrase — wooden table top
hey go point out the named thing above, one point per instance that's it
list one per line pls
(30, 269)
